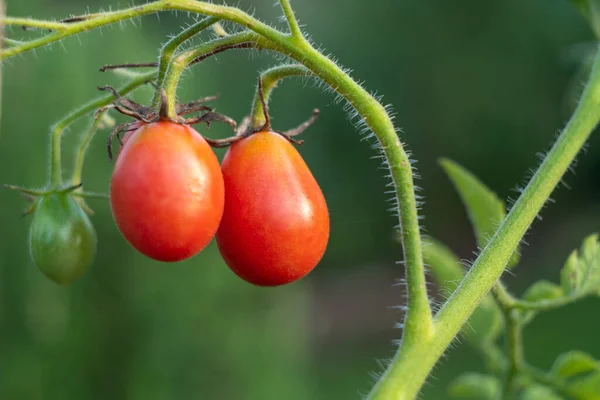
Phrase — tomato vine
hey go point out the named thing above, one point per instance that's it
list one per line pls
(425, 336)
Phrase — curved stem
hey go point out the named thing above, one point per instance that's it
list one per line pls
(418, 360)
(32, 23)
(290, 17)
(270, 79)
(547, 305)
(60, 126)
(418, 332)
(169, 49)
(514, 350)
(418, 326)
(85, 143)
(93, 21)
(183, 60)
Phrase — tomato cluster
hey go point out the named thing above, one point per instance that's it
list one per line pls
(170, 197)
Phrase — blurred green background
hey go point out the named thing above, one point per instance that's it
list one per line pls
(486, 83)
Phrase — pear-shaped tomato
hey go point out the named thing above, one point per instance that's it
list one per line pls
(62, 238)
(275, 227)
(166, 191)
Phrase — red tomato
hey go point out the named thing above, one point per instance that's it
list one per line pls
(166, 191)
(275, 226)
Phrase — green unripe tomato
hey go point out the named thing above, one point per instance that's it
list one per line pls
(62, 238)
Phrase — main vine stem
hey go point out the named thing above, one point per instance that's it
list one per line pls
(424, 339)
(414, 363)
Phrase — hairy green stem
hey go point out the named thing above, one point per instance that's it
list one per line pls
(415, 357)
(288, 12)
(418, 325)
(270, 79)
(491, 262)
(180, 62)
(32, 23)
(93, 21)
(60, 126)
(169, 49)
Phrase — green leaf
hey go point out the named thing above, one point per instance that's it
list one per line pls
(443, 264)
(591, 11)
(543, 290)
(574, 363)
(486, 322)
(581, 273)
(538, 392)
(473, 385)
(587, 387)
(483, 206)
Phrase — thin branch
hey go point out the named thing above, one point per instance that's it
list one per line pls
(123, 66)
(168, 51)
(85, 143)
(547, 305)
(270, 79)
(291, 18)
(183, 60)
(33, 23)
(12, 42)
(60, 126)
(199, 59)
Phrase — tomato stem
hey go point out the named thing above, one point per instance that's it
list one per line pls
(183, 60)
(168, 50)
(288, 12)
(268, 81)
(58, 129)
(424, 339)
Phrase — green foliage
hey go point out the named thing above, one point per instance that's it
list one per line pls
(581, 273)
(427, 338)
(579, 374)
(539, 392)
(443, 263)
(485, 209)
(543, 290)
(575, 372)
(574, 363)
(472, 385)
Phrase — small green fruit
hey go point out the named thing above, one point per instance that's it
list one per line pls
(62, 238)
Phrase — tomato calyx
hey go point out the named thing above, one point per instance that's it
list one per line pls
(245, 128)
(32, 196)
(148, 115)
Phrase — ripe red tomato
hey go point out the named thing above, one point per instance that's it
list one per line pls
(167, 192)
(275, 226)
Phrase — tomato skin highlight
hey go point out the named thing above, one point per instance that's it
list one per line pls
(62, 239)
(275, 226)
(167, 192)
